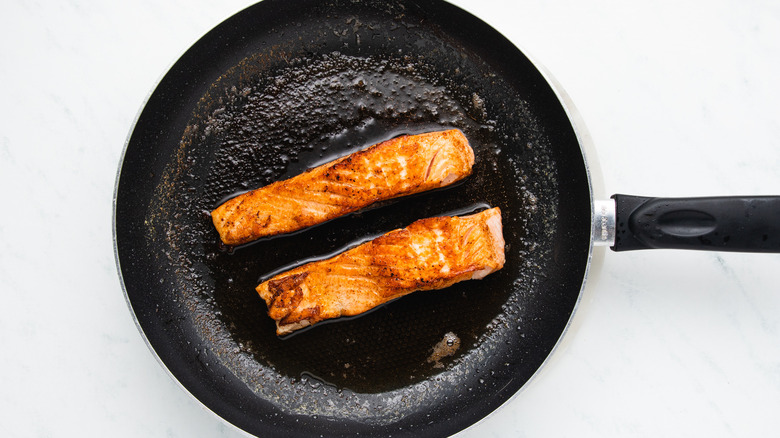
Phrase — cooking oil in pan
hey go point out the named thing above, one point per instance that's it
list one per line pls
(273, 126)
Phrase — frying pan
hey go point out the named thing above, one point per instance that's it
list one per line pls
(287, 85)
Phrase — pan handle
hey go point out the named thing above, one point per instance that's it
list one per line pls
(728, 223)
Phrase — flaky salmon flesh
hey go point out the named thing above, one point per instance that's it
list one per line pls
(431, 253)
(398, 167)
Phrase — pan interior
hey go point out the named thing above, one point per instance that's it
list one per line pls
(318, 81)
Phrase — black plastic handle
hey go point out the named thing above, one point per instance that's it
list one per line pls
(739, 223)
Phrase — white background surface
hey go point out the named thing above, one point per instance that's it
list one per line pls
(680, 98)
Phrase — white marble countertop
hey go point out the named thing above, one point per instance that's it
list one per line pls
(680, 98)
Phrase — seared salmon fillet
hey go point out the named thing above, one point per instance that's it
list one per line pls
(431, 253)
(401, 166)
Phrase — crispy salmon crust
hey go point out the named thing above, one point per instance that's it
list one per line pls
(431, 253)
(398, 167)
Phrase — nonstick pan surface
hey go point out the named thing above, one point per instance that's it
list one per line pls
(286, 85)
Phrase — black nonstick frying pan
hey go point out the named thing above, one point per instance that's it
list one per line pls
(286, 85)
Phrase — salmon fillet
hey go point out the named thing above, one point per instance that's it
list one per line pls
(431, 253)
(401, 166)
